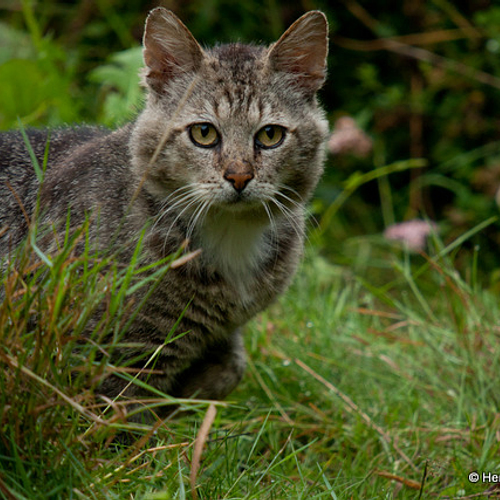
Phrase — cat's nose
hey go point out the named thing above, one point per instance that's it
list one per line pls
(239, 174)
(239, 181)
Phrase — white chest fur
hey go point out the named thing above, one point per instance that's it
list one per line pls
(237, 249)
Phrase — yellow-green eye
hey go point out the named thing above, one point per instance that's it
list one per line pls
(270, 136)
(204, 135)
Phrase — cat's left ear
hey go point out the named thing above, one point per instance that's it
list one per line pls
(169, 48)
(302, 50)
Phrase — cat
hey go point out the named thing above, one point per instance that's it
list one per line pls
(225, 155)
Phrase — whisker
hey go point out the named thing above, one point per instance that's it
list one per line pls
(289, 216)
(298, 204)
(199, 215)
(274, 229)
(178, 216)
(183, 204)
(177, 192)
(179, 199)
(293, 202)
(288, 188)
(269, 215)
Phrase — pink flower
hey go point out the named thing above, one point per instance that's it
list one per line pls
(347, 137)
(412, 233)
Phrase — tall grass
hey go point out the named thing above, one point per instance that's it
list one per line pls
(352, 391)
(377, 380)
(61, 318)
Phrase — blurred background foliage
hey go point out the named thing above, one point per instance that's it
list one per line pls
(420, 78)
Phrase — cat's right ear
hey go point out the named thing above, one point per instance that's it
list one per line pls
(169, 48)
(302, 50)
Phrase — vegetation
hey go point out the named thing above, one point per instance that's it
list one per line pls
(353, 391)
(376, 376)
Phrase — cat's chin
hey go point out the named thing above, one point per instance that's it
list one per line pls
(235, 201)
(241, 208)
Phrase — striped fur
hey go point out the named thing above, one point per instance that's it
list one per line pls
(151, 173)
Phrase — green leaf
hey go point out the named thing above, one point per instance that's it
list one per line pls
(22, 91)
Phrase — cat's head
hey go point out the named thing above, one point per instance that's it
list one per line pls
(234, 128)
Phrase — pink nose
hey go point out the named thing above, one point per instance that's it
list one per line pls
(238, 180)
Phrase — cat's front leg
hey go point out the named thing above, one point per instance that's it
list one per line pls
(217, 373)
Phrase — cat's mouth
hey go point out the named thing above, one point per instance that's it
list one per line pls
(239, 202)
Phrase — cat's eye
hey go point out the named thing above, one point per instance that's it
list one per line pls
(270, 136)
(204, 135)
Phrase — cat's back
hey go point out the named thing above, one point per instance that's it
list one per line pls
(19, 184)
(15, 149)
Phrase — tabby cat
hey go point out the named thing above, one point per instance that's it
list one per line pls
(225, 154)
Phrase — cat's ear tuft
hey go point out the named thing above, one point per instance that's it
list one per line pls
(169, 48)
(302, 51)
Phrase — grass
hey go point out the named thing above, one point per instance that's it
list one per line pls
(378, 379)
(357, 387)
(353, 391)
